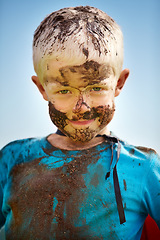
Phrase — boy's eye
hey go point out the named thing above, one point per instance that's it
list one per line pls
(96, 89)
(64, 91)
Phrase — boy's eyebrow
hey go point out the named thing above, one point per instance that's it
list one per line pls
(66, 83)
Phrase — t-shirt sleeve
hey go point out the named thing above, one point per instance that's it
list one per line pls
(5, 156)
(2, 218)
(3, 172)
(151, 192)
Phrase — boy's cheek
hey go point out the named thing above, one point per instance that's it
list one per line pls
(57, 117)
(105, 114)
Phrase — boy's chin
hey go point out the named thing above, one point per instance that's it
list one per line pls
(81, 135)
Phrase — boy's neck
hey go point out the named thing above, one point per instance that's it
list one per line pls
(64, 142)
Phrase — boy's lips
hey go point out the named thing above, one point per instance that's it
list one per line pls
(82, 122)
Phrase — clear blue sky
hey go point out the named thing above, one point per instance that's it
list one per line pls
(23, 111)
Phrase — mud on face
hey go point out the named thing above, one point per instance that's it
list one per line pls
(91, 71)
(104, 114)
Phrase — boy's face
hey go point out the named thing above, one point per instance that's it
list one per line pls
(81, 98)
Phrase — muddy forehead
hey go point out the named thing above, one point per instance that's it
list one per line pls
(90, 72)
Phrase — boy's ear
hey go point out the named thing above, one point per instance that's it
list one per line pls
(36, 81)
(121, 81)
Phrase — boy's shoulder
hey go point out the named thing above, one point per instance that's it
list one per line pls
(134, 149)
(139, 163)
(19, 145)
(18, 150)
(139, 153)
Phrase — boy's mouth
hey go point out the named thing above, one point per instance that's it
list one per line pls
(82, 122)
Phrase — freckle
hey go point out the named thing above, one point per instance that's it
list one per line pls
(47, 67)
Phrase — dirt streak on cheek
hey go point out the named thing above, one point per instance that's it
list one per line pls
(57, 117)
(105, 114)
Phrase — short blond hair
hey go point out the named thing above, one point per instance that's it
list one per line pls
(76, 35)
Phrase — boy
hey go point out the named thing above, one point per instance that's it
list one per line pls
(81, 182)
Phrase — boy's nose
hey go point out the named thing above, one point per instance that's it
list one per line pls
(81, 106)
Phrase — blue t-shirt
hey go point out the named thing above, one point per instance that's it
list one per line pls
(49, 193)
